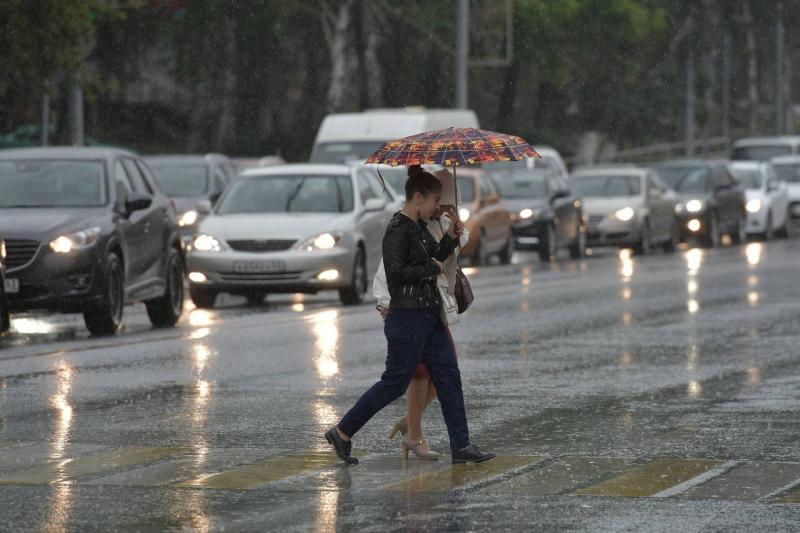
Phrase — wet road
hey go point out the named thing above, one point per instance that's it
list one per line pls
(655, 393)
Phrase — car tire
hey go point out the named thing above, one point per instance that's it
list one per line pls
(674, 238)
(105, 318)
(548, 249)
(354, 293)
(643, 246)
(578, 248)
(165, 311)
(769, 234)
(256, 298)
(507, 252)
(5, 318)
(203, 297)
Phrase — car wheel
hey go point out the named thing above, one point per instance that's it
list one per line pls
(106, 317)
(255, 297)
(643, 246)
(202, 297)
(165, 311)
(674, 238)
(354, 293)
(5, 319)
(578, 248)
(769, 234)
(508, 250)
(548, 249)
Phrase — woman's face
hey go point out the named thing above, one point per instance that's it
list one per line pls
(428, 205)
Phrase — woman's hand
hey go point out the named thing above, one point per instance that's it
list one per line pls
(456, 229)
(439, 264)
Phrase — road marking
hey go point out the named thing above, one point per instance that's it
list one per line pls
(698, 480)
(653, 478)
(270, 470)
(463, 476)
(70, 469)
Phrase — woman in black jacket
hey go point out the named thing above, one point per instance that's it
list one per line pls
(413, 327)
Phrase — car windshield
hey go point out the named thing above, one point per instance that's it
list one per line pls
(522, 184)
(52, 183)
(606, 186)
(396, 179)
(298, 193)
(176, 179)
(760, 153)
(343, 152)
(466, 189)
(750, 178)
(685, 180)
(788, 172)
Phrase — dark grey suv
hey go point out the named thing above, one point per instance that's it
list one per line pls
(87, 230)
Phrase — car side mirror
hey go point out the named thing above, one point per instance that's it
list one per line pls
(214, 197)
(375, 204)
(654, 191)
(558, 194)
(204, 207)
(136, 201)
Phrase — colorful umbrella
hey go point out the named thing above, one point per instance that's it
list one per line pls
(453, 147)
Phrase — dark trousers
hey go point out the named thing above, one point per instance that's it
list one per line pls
(414, 336)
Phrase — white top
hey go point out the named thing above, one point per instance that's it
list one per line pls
(380, 288)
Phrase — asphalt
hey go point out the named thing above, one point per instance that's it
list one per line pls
(654, 393)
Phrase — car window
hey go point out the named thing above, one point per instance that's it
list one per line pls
(220, 179)
(486, 187)
(180, 179)
(365, 190)
(296, 193)
(466, 188)
(380, 191)
(136, 177)
(605, 186)
(721, 179)
(750, 178)
(772, 177)
(122, 182)
(523, 184)
(788, 172)
(760, 153)
(52, 183)
(147, 178)
(685, 180)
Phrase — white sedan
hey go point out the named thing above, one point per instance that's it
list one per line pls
(767, 198)
(291, 228)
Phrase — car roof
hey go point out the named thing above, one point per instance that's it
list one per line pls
(65, 152)
(785, 160)
(297, 168)
(602, 170)
(749, 164)
(184, 158)
(768, 141)
(689, 162)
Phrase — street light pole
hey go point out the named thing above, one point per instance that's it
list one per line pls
(689, 105)
(462, 53)
(780, 38)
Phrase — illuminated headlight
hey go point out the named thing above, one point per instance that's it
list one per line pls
(694, 225)
(625, 214)
(207, 243)
(197, 277)
(694, 206)
(328, 275)
(463, 214)
(2, 249)
(75, 241)
(188, 218)
(321, 241)
(753, 206)
(526, 214)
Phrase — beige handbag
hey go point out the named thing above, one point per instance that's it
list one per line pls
(449, 310)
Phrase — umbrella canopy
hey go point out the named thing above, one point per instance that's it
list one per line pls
(453, 147)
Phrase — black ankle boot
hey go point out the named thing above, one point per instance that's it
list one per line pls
(471, 454)
(340, 446)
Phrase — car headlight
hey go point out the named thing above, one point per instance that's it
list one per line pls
(75, 241)
(188, 218)
(207, 243)
(321, 241)
(694, 206)
(753, 206)
(526, 214)
(463, 214)
(625, 214)
(2, 249)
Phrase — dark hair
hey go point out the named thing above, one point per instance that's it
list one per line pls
(421, 182)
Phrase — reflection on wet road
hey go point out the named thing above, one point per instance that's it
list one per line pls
(667, 385)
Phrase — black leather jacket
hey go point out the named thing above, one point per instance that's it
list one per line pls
(408, 249)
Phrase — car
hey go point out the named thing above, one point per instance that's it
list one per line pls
(291, 228)
(189, 179)
(549, 160)
(87, 230)
(626, 206)
(788, 169)
(767, 198)
(486, 217)
(5, 320)
(346, 137)
(711, 200)
(545, 215)
(765, 148)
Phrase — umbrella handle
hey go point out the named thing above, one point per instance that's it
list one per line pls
(458, 217)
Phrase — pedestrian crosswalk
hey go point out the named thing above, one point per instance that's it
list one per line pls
(576, 476)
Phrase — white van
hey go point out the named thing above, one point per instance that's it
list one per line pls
(765, 148)
(345, 137)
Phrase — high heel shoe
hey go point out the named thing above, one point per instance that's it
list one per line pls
(399, 427)
(414, 447)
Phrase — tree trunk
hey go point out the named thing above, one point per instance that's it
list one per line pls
(505, 107)
(337, 32)
(226, 123)
(752, 67)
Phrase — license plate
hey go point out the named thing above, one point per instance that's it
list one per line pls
(259, 266)
(12, 286)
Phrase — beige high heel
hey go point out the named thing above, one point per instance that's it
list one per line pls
(414, 447)
(399, 427)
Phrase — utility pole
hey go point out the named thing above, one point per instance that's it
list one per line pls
(689, 104)
(44, 134)
(462, 53)
(76, 130)
(726, 84)
(780, 44)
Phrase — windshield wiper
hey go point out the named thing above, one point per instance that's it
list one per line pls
(294, 193)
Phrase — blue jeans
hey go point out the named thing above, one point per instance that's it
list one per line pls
(414, 336)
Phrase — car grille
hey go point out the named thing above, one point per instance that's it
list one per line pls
(20, 253)
(595, 219)
(256, 246)
(261, 276)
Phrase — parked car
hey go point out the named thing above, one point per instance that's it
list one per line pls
(189, 179)
(87, 230)
(767, 198)
(486, 217)
(788, 169)
(5, 320)
(544, 213)
(626, 206)
(291, 228)
(765, 148)
(711, 200)
(346, 137)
